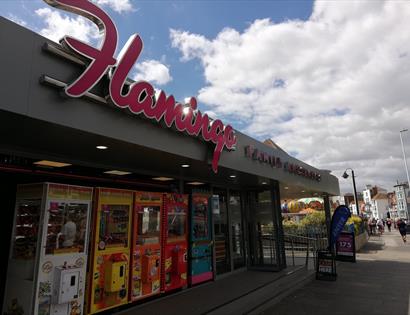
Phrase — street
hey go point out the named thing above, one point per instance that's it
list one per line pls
(378, 283)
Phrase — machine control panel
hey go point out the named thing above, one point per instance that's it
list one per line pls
(66, 284)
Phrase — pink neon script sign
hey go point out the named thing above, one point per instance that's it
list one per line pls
(141, 97)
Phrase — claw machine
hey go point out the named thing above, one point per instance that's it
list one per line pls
(47, 262)
(146, 245)
(174, 242)
(109, 266)
(200, 258)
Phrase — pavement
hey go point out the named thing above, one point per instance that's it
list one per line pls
(378, 283)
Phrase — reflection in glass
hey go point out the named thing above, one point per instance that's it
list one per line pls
(66, 229)
(114, 226)
(176, 225)
(200, 220)
(238, 254)
(26, 231)
(148, 224)
(221, 228)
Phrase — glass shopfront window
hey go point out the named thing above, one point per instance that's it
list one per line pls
(221, 229)
(262, 234)
(238, 253)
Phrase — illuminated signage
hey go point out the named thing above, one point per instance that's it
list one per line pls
(138, 97)
(276, 162)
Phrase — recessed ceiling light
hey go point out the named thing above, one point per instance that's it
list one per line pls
(195, 183)
(232, 176)
(264, 183)
(162, 178)
(285, 187)
(116, 172)
(185, 165)
(101, 147)
(51, 163)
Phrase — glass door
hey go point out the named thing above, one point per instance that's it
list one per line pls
(238, 253)
(221, 230)
(262, 241)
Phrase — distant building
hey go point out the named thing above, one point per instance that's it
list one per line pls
(392, 204)
(349, 200)
(402, 196)
(376, 202)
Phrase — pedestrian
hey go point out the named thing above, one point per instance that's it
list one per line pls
(401, 224)
(388, 223)
(380, 226)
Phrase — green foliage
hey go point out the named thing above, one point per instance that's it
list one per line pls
(357, 221)
(316, 219)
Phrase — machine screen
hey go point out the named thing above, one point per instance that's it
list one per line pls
(200, 217)
(114, 221)
(176, 223)
(67, 225)
(149, 224)
(26, 229)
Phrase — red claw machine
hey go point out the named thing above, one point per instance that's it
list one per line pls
(109, 265)
(48, 257)
(146, 245)
(200, 254)
(174, 242)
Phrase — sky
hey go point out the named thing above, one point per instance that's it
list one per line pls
(328, 81)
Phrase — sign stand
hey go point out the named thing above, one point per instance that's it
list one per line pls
(346, 247)
(325, 265)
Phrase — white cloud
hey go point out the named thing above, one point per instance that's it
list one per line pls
(152, 71)
(333, 89)
(119, 6)
(58, 25)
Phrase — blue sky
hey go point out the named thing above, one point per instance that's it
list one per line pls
(326, 80)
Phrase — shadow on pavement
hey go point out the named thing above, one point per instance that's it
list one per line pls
(365, 287)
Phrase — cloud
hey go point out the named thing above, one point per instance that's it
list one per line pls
(152, 71)
(58, 25)
(333, 89)
(119, 6)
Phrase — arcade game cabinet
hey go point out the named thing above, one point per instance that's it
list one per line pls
(108, 274)
(48, 255)
(174, 242)
(146, 245)
(200, 239)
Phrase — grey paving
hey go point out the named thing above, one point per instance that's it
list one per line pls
(379, 283)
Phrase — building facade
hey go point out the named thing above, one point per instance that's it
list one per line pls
(137, 173)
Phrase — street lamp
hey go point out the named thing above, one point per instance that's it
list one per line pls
(345, 175)
(404, 155)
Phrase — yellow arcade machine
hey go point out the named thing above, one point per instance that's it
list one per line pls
(110, 257)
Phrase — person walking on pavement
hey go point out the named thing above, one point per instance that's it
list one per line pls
(380, 226)
(388, 223)
(401, 224)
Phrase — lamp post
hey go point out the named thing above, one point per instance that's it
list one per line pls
(345, 175)
(404, 155)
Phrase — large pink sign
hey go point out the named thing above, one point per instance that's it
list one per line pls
(140, 98)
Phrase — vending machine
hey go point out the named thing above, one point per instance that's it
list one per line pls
(109, 265)
(48, 255)
(146, 245)
(174, 242)
(201, 248)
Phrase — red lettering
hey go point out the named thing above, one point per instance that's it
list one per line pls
(139, 97)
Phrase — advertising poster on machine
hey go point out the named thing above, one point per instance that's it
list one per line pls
(146, 245)
(60, 271)
(200, 254)
(108, 282)
(174, 242)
